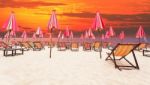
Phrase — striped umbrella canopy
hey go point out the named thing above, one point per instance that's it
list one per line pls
(107, 35)
(59, 35)
(111, 32)
(34, 36)
(140, 33)
(10, 24)
(86, 35)
(121, 35)
(24, 36)
(103, 37)
(98, 22)
(71, 34)
(67, 32)
(82, 36)
(53, 21)
(90, 34)
(38, 31)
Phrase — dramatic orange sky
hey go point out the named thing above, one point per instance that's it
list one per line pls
(77, 14)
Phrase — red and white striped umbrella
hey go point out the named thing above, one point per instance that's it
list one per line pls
(24, 36)
(140, 33)
(10, 24)
(107, 35)
(90, 34)
(59, 35)
(122, 35)
(111, 32)
(71, 34)
(82, 36)
(86, 35)
(38, 31)
(67, 32)
(34, 36)
(53, 21)
(98, 22)
(103, 37)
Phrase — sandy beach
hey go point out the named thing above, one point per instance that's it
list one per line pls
(69, 68)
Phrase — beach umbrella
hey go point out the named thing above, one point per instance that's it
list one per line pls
(59, 35)
(62, 37)
(86, 35)
(140, 33)
(10, 25)
(90, 34)
(103, 37)
(52, 24)
(71, 35)
(38, 31)
(98, 25)
(111, 32)
(121, 36)
(107, 35)
(6, 36)
(24, 36)
(34, 36)
(98, 22)
(67, 33)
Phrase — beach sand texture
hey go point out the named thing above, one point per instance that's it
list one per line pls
(69, 68)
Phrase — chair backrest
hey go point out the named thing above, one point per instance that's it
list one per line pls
(87, 45)
(38, 45)
(25, 44)
(74, 45)
(97, 45)
(4, 45)
(142, 46)
(124, 49)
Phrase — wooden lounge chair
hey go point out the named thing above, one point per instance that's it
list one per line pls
(120, 52)
(97, 46)
(146, 52)
(87, 46)
(61, 46)
(9, 51)
(74, 46)
(37, 46)
(26, 46)
(142, 46)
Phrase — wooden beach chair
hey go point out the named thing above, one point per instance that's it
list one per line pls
(38, 46)
(146, 52)
(87, 46)
(26, 46)
(74, 46)
(9, 51)
(120, 52)
(142, 46)
(97, 46)
(61, 46)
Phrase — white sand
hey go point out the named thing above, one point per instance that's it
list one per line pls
(69, 68)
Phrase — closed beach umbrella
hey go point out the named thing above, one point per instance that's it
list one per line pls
(10, 25)
(140, 33)
(24, 36)
(52, 24)
(121, 36)
(111, 32)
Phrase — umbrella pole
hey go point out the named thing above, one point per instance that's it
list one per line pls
(9, 36)
(50, 46)
(100, 49)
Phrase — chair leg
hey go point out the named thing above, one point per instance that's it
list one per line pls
(137, 66)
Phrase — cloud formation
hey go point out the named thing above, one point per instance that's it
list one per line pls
(26, 4)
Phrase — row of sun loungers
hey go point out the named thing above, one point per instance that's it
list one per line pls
(118, 53)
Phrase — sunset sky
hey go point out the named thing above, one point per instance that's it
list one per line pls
(78, 15)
